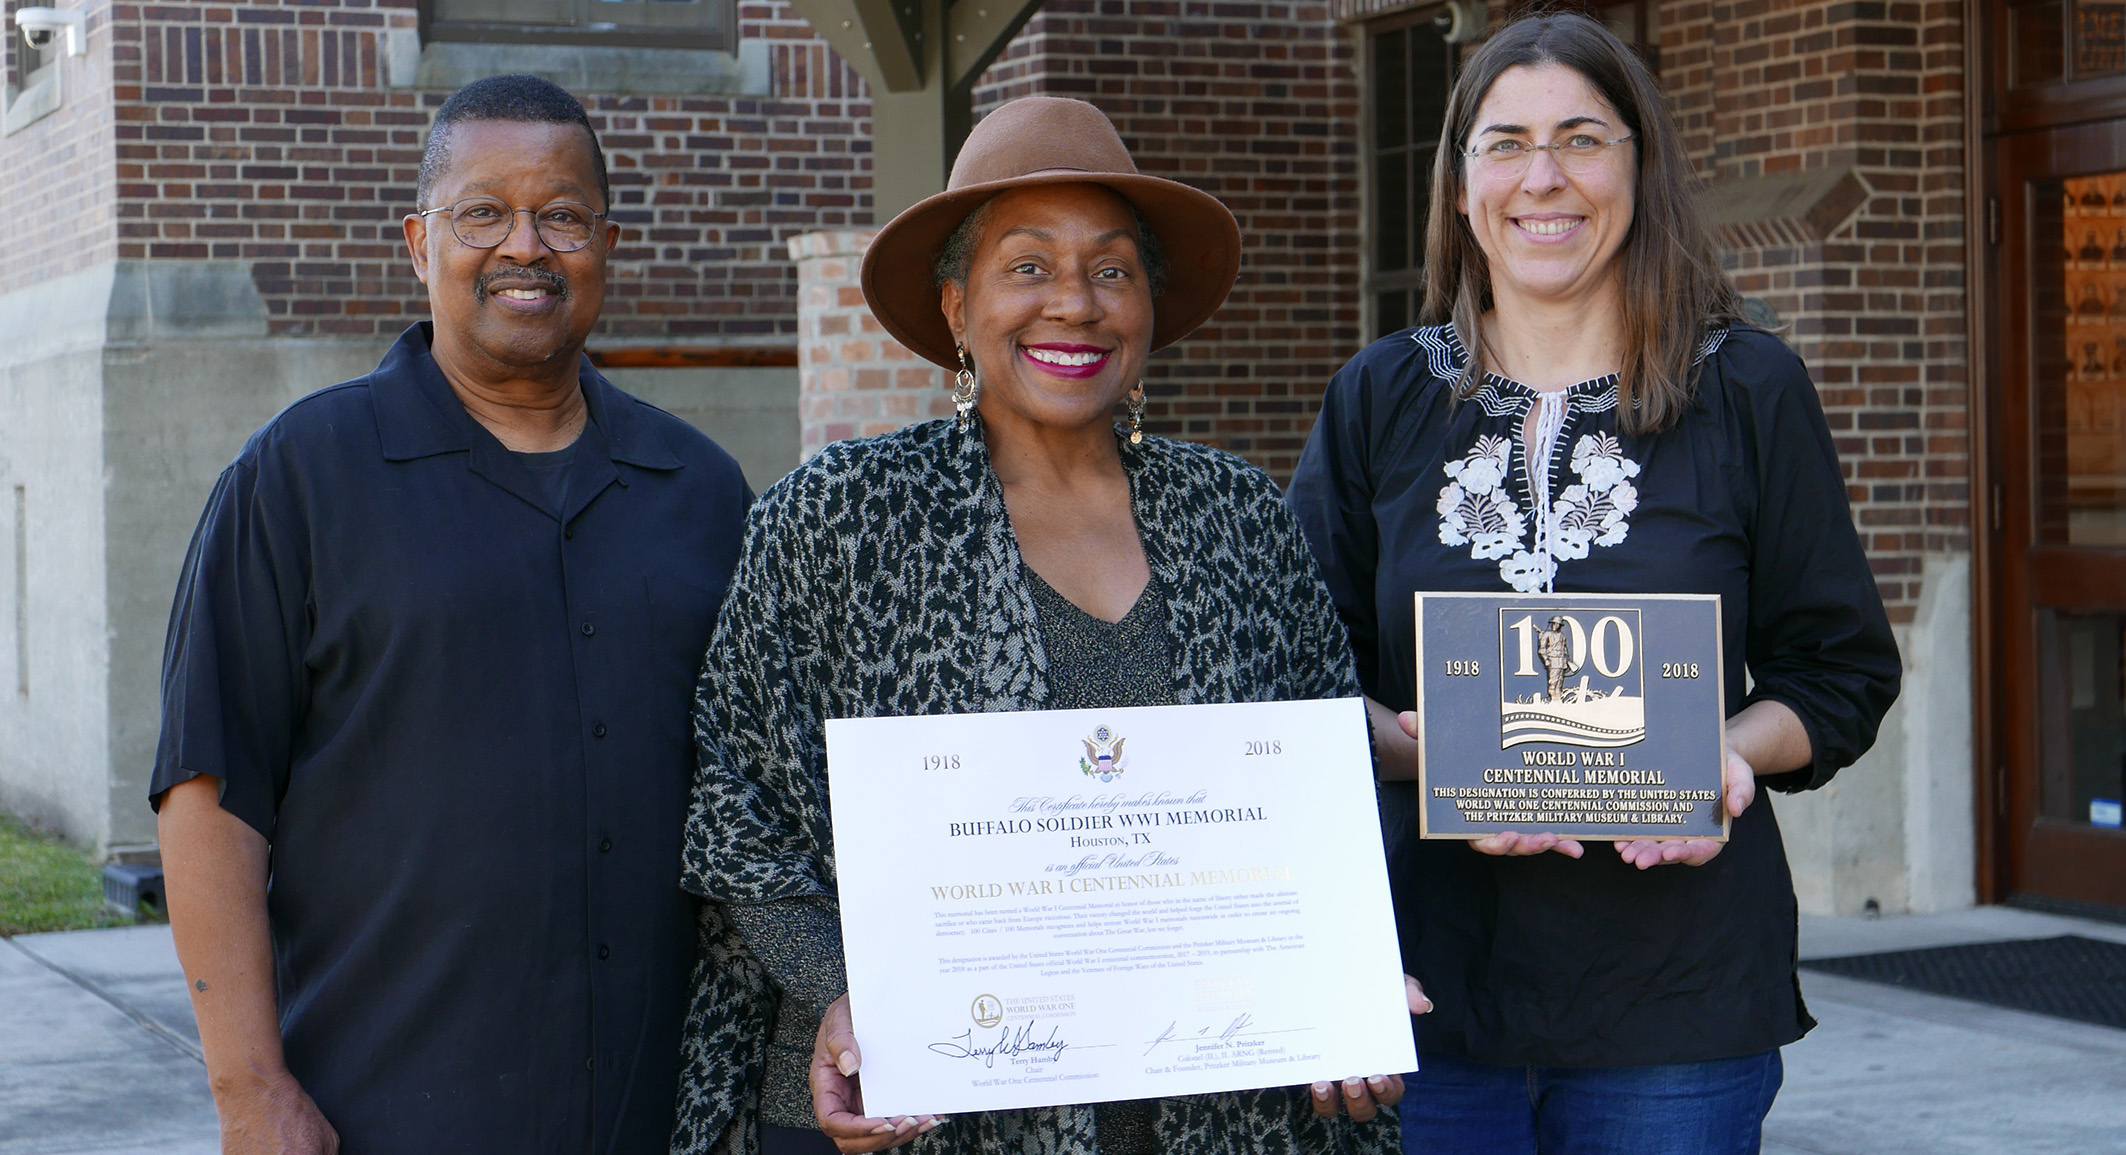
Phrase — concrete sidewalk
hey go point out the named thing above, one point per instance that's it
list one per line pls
(98, 1052)
(99, 1055)
(1891, 1072)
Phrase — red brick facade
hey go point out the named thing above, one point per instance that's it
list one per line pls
(1256, 103)
(853, 379)
(1876, 304)
(267, 132)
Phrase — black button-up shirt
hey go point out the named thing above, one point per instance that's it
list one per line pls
(1591, 962)
(463, 725)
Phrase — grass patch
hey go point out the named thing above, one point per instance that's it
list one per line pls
(47, 885)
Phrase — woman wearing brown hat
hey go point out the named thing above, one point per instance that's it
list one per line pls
(1026, 554)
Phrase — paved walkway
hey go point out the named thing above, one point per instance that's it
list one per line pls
(99, 1056)
(98, 1053)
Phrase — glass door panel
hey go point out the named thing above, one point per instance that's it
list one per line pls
(2079, 334)
(2062, 467)
(2082, 690)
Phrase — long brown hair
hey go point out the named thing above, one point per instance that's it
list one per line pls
(1674, 289)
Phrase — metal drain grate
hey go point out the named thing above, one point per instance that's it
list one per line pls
(2069, 977)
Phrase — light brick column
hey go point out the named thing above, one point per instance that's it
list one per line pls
(853, 379)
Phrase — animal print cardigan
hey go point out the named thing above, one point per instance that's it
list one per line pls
(883, 578)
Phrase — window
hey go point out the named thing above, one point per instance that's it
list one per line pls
(1409, 70)
(28, 62)
(32, 80)
(645, 23)
(1636, 23)
(2053, 41)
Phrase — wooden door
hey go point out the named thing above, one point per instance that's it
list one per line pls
(2062, 457)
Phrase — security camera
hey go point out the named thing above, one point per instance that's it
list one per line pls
(1461, 21)
(41, 26)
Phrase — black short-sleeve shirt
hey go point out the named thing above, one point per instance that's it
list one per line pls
(1590, 962)
(462, 723)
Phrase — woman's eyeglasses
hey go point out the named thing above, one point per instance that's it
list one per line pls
(1509, 156)
(484, 222)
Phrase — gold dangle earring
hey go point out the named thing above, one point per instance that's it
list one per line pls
(964, 391)
(1136, 414)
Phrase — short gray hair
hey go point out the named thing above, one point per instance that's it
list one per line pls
(956, 257)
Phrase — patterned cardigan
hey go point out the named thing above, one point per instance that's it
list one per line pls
(883, 578)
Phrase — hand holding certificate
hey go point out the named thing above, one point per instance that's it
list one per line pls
(1082, 906)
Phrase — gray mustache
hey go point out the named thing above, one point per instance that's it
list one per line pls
(547, 277)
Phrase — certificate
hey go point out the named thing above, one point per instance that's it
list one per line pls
(1585, 715)
(1078, 906)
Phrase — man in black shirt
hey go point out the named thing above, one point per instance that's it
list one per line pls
(425, 751)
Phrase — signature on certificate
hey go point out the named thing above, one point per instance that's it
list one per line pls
(1202, 1037)
(1011, 1043)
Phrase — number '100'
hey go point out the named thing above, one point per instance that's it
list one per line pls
(1597, 645)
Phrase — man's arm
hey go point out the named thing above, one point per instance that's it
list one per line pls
(214, 879)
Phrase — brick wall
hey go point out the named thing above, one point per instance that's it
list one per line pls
(1876, 305)
(56, 175)
(263, 131)
(1257, 104)
(853, 379)
(267, 132)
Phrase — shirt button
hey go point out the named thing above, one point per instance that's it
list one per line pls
(605, 846)
(598, 731)
(590, 1064)
(604, 951)
(569, 533)
(589, 629)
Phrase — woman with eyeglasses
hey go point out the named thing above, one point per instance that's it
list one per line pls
(1584, 410)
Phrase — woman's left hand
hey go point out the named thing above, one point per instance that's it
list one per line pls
(838, 1098)
(1364, 1098)
(1740, 780)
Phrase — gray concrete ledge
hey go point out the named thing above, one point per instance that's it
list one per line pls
(130, 302)
(29, 105)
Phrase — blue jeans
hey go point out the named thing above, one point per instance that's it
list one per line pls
(1456, 1107)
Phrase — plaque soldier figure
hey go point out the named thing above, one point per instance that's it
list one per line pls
(1550, 646)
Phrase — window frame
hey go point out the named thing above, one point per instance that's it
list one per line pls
(1409, 279)
(438, 25)
(31, 80)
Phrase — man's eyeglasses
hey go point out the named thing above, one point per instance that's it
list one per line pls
(484, 222)
(1509, 156)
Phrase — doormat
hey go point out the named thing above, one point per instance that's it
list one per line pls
(2069, 977)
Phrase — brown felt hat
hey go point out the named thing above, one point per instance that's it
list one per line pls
(1041, 140)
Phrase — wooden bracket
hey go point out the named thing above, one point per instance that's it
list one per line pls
(881, 39)
(976, 31)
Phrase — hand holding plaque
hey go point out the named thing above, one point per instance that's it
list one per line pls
(1574, 716)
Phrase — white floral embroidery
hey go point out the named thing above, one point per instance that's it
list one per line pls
(1528, 572)
(1595, 512)
(1477, 510)
(1475, 507)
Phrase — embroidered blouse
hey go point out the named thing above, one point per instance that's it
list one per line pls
(883, 578)
(1590, 962)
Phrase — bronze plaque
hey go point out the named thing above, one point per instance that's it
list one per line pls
(1586, 715)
